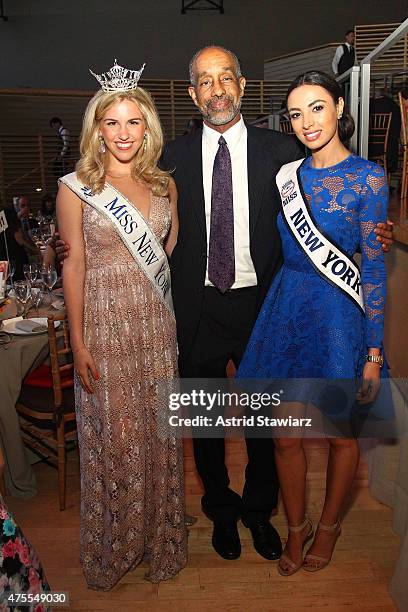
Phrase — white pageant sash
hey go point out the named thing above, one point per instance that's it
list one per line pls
(329, 259)
(132, 228)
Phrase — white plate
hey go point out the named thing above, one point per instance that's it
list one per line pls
(9, 326)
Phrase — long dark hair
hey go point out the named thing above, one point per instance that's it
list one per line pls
(315, 77)
(47, 197)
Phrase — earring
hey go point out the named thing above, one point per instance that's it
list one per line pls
(144, 142)
(102, 147)
(339, 116)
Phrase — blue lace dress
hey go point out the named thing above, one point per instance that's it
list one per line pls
(308, 328)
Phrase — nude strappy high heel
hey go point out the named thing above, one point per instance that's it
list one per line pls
(294, 567)
(322, 561)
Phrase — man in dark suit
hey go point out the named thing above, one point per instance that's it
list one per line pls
(214, 319)
(227, 253)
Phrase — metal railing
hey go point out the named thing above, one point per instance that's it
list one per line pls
(369, 37)
(358, 85)
(365, 81)
(350, 82)
(29, 165)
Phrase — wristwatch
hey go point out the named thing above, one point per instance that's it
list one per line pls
(376, 359)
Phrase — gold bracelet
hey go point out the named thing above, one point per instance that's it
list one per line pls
(375, 359)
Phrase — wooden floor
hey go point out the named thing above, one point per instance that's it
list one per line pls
(356, 579)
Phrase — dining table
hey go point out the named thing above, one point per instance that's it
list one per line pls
(18, 357)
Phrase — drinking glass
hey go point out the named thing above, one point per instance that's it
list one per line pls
(37, 297)
(46, 232)
(49, 277)
(30, 272)
(36, 237)
(11, 270)
(22, 290)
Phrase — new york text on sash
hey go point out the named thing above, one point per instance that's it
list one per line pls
(330, 261)
(134, 231)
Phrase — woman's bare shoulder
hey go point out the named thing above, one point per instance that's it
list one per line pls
(65, 196)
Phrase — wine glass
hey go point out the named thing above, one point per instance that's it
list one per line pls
(11, 270)
(30, 272)
(49, 277)
(37, 298)
(22, 290)
(46, 232)
(36, 237)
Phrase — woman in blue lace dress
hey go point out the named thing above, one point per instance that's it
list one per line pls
(309, 327)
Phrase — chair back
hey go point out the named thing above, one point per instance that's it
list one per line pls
(403, 111)
(379, 131)
(285, 126)
(62, 364)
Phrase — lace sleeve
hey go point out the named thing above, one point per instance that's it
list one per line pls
(373, 210)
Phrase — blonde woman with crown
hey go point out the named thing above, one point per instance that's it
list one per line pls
(118, 212)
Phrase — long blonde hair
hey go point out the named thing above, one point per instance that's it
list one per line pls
(91, 169)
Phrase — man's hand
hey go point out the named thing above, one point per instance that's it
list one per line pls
(62, 250)
(384, 235)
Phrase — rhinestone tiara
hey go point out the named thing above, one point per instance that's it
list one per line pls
(118, 78)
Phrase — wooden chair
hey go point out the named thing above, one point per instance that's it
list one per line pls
(46, 405)
(378, 138)
(285, 125)
(404, 145)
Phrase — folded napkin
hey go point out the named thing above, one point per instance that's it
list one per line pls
(58, 304)
(30, 326)
(11, 320)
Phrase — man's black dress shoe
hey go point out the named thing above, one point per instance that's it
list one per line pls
(226, 540)
(267, 542)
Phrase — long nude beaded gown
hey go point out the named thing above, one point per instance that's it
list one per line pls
(132, 498)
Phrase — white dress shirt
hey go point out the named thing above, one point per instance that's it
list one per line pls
(337, 57)
(236, 138)
(64, 135)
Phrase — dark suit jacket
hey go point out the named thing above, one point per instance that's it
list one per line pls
(267, 152)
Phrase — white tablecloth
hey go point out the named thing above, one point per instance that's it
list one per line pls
(21, 356)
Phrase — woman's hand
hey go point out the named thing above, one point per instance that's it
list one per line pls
(84, 363)
(371, 383)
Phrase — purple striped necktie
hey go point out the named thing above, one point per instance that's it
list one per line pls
(221, 258)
